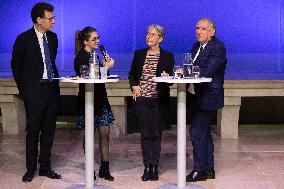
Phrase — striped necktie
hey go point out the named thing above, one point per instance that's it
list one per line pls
(200, 51)
(47, 60)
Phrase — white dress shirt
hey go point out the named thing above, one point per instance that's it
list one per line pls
(40, 41)
(203, 46)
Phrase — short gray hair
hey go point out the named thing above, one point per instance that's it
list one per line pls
(212, 24)
(160, 30)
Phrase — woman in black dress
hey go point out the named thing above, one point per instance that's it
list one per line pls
(87, 40)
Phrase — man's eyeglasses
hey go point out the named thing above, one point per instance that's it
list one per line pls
(50, 19)
(94, 39)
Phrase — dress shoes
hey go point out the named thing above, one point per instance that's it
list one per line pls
(210, 174)
(148, 173)
(196, 176)
(28, 176)
(49, 173)
(155, 175)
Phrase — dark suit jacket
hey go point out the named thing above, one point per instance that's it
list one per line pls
(166, 63)
(212, 62)
(27, 62)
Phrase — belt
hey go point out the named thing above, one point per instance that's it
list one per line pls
(149, 99)
(45, 81)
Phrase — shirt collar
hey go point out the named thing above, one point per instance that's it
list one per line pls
(39, 34)
(203, 46)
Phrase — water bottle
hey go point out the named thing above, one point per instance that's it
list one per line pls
(187, 66)
(94, 66)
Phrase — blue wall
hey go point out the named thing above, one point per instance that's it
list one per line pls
(253, 31)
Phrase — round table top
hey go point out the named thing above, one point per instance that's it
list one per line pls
(170, 79)
(83, 80)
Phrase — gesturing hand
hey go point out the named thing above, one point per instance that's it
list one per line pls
(108, 61)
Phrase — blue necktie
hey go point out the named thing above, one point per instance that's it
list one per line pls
(47, 60)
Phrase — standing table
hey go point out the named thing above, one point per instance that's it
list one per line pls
(89, 126)
(181, 127)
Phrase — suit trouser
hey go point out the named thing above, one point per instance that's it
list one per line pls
(151, 125)
(41, 112)
(200, 133)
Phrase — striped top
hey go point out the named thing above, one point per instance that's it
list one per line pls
(147, 85)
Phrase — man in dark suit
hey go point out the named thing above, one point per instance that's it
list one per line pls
(210, 55)
(33, 66)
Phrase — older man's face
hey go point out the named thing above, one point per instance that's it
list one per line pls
(204, 32)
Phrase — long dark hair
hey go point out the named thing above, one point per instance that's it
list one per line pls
(81, 36)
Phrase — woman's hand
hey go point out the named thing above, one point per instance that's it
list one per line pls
(164, 74)
(136, 91)
(108, 62)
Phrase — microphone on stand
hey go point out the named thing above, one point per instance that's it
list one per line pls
(103, 51)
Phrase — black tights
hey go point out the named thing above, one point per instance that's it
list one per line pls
(104, 132)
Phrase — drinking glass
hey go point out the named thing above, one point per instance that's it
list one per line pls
(187, 66)
(84, 71)
(103, 71)
(178, 71)
(196, 72)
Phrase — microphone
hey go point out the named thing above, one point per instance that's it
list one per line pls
(103, 51)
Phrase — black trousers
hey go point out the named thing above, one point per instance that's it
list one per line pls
(200, 133)
(41, 113)
(151, 125)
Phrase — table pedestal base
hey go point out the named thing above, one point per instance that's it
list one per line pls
(175, 186)
(95, 187)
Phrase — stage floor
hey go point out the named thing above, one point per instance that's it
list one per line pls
(254, 161)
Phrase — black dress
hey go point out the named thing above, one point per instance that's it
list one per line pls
(102, 111)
